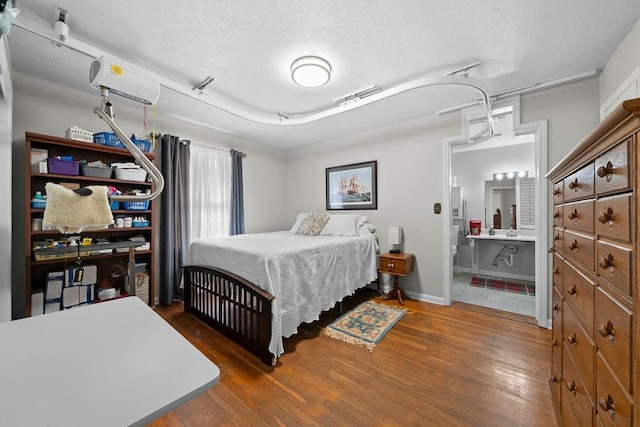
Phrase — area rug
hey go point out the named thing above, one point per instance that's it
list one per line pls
(503, 285)
(365, 325)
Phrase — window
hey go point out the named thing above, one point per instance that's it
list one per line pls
(210, 191)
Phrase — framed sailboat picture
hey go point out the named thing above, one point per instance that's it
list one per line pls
(352, 186)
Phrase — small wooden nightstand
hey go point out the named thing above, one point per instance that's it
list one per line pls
(397, 265)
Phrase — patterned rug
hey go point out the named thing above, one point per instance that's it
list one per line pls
(503, 285)
(365, 325)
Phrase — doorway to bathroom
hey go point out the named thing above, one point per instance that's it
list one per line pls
(497, 243)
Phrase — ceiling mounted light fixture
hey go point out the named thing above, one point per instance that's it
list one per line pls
(310, 71)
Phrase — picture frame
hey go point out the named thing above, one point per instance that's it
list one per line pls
(353, 186)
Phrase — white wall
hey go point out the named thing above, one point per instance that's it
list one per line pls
(621, 64)
(410, 180)
(572, 111)
(47, 108)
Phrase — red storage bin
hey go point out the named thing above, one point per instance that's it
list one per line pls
(475, 225)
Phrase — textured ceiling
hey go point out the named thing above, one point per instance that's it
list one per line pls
(248, 47)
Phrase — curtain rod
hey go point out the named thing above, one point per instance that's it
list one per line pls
(158, 135)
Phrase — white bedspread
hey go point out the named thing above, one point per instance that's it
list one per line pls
(306, 274)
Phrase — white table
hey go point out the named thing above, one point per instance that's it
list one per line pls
(114, 363)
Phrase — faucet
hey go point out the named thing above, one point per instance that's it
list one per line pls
(512, 233)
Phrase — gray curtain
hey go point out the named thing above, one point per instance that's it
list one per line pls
(174, 215)
(237, 193)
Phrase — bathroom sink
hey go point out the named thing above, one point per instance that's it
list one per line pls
(521, 235)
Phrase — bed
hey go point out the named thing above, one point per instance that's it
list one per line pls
(258, 288)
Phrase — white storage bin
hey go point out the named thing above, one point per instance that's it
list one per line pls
(74, 132)
(131, 174)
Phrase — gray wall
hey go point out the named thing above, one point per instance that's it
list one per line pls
(411, 172)
(622, 63)
(411, 179)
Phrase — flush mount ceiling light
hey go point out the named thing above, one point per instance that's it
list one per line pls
(310, 71)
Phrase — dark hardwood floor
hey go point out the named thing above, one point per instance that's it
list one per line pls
(439, 366)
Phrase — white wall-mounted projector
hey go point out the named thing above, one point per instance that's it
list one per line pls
(122, 80)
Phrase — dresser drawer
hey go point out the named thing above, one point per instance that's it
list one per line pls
(613, 217)
(558, 196)
(556, 379)
(578, 293)
(613, 337)
(580, 248)
(556, 312)
(580, 347)
(576, 406)
(613, 404)
(580, 184)
(579, 216)
(558, 240)
(558, 216)
(558, 262)
(614, 266)
(612, 169)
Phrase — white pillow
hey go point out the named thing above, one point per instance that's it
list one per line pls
(367, 228)
(341, 225)
(301, 217)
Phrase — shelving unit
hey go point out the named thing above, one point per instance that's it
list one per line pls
(36, 271)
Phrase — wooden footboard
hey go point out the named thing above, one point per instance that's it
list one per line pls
(231, 305)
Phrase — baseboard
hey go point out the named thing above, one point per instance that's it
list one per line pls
(425, 298)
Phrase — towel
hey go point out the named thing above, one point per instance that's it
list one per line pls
(74, 211)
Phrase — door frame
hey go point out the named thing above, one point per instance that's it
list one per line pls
(539, 130)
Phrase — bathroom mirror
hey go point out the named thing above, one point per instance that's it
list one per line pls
(500, 204)
(510, 203)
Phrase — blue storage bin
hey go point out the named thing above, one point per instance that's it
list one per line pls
(135, 206)
(140, 223)
(143, 144)
(40, 204)
(114, 205)
(107, 138)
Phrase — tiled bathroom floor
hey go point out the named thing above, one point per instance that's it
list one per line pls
(500, 300)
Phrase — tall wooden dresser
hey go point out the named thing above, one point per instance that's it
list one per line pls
(595, 377)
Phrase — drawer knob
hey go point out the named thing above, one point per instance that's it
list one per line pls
(572, 290)
(556, 214)
(556, 271)
(390, 265)
(573, 185)
(607, 263)
(556, 307)
(556, 237)
(554, 379)
(556, 191)
(606, 217)
(554, 343)
(607, 330)
(573, 246)
(572, 339)
(571, 387)
(606, 171)
(573, 215)
(607, 404)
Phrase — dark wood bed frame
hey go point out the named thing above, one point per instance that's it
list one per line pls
(231, 305)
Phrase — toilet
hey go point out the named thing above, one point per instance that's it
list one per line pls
(454, 236)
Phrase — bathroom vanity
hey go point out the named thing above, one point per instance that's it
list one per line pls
(512, 253)
(595, 362)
